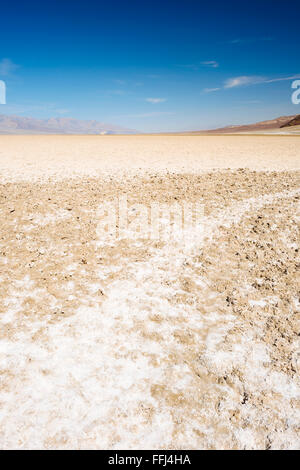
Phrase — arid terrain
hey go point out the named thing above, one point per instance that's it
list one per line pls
(137, 343)
(283, 125)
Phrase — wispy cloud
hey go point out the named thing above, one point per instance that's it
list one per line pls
(206, 63)
(250, 102)
(249, 40)
(242, 81)
(210, 63)
(155, 100)
(145, 115)
(7, 67)
(273, 80)
(247, 80)
(189, 66)
(211, 90)
(120, 82)
(33, 108)
(117, 92)
(253, 80)
(62, 111)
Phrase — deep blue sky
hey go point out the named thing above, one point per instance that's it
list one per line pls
(151, 65)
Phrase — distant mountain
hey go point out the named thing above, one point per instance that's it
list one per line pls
(27, 125)
(294, 122)
(258, 126)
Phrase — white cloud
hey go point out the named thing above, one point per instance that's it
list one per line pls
(62, 111)
(7, 67)
(250, 102)
(211, 90)
(156, 100)
(273, 80)
(253, 80)
(189, 66)
(117, 92)
(242, 81)
(207, 63)
(249, 40)
(145, 115)
(120, 82)
(247, 80)
(28, 109)
(210, 63)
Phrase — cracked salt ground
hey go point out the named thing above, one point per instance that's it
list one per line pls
(211, 331)
(163, 359)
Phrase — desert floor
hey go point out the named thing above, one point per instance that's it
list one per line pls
(137, 343)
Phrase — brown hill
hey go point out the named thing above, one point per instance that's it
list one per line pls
(277, 123)
(294, 122)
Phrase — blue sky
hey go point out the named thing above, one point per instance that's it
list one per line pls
(151, 66)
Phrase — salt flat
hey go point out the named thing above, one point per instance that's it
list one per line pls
(141, 343)
(31, 157)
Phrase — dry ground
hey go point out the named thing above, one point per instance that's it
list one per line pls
(138, 343)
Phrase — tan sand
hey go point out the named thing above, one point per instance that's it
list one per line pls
(27, 157)
(137, 343)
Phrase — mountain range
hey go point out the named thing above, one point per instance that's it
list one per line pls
(11, 124)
